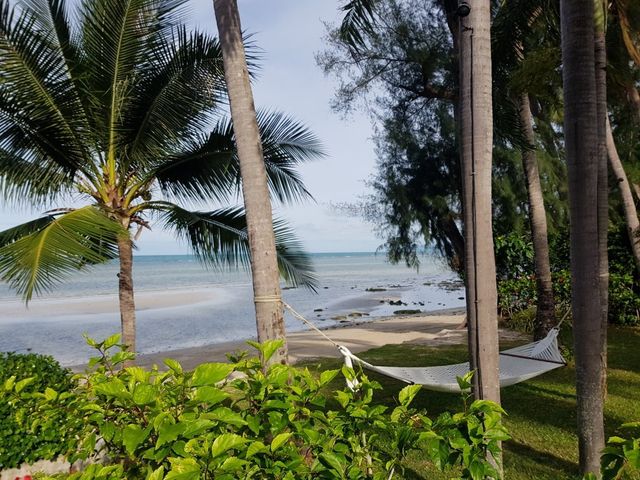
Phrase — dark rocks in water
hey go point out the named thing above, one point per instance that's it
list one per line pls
(460, 298)
(288, 288)
(326, 288)
(428, 284)
(397, 302)
(421, 304)
(358, 314)
(381, 301)
(406, 312)
(375, 289)
(317, 310)
(339, 317)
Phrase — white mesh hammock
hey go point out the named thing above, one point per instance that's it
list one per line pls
(516, 365)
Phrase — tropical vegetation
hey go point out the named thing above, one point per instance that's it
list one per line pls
(120, 111)
(252, 418)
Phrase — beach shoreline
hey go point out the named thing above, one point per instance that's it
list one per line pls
(428, 328)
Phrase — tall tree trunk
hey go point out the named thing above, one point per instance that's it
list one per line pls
(264, 263)
(581, 133)
(125, 293)
(476, 142)
(600, 55)
(545, 312)
(628, 203)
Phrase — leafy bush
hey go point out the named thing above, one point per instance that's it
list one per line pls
(516, 279)
(621, 457)
(240, 420)
(18, 444)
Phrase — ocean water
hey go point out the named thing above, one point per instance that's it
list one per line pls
(181, 304)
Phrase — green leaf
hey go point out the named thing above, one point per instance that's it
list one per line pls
(183, 469)
(225, 415)
(23, 383)
(226, 442)
(132, 436)
(36, 262)
(112, 341)
(210, 395)
(269, 348)
(232, 464)
(256, 447)
(327, 376)
(280, 440)
(112, 388)
(144, 394)
(169, 432)
(210, 373)
(332, 462)
(173, 365)
(407, 394)
(157, 474)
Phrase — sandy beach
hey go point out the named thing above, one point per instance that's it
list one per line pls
(436, 328)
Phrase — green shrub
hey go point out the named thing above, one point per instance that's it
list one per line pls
(18, 444)
(620, 459)
(275, 423)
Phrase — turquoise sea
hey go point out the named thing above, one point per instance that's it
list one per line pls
(181, 304)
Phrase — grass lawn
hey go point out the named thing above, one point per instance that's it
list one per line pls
(542, 411)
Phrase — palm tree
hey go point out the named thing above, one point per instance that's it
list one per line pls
(115, 111)
(264, 265)
(476, 142)
(581, 143)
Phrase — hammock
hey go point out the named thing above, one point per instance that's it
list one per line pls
(516, 364)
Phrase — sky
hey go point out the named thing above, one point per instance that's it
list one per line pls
(289, 33)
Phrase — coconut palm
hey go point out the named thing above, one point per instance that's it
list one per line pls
(255, 191)
(581, 136)
(114, 111)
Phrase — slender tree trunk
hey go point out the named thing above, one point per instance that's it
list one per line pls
(125, 293)
(545, 312)
(600, 55)
(476, 142)
(264, 264)
(628, 203)
(581, 133)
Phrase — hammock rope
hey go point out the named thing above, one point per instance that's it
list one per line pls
(516, 364)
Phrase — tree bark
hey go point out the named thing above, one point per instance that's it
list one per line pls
(545, 312)
(628, 203)
(264, 264)
(600, 56)
(581, 133)
(125, 293)
(476, 142)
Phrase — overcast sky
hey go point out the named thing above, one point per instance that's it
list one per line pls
(289, 32)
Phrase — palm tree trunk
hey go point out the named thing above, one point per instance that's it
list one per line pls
(628, 203)
(125, 293)
(581, 134)
(600, 55)
(545, 312)
(264, 265)
(476, 143)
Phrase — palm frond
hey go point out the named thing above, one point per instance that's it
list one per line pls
(31, 178)
(286, 144)
(219, 238)
(36, 256)
(359, 18)
(177, 88)
(39, 107)
(116, 39)
(197, 174)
